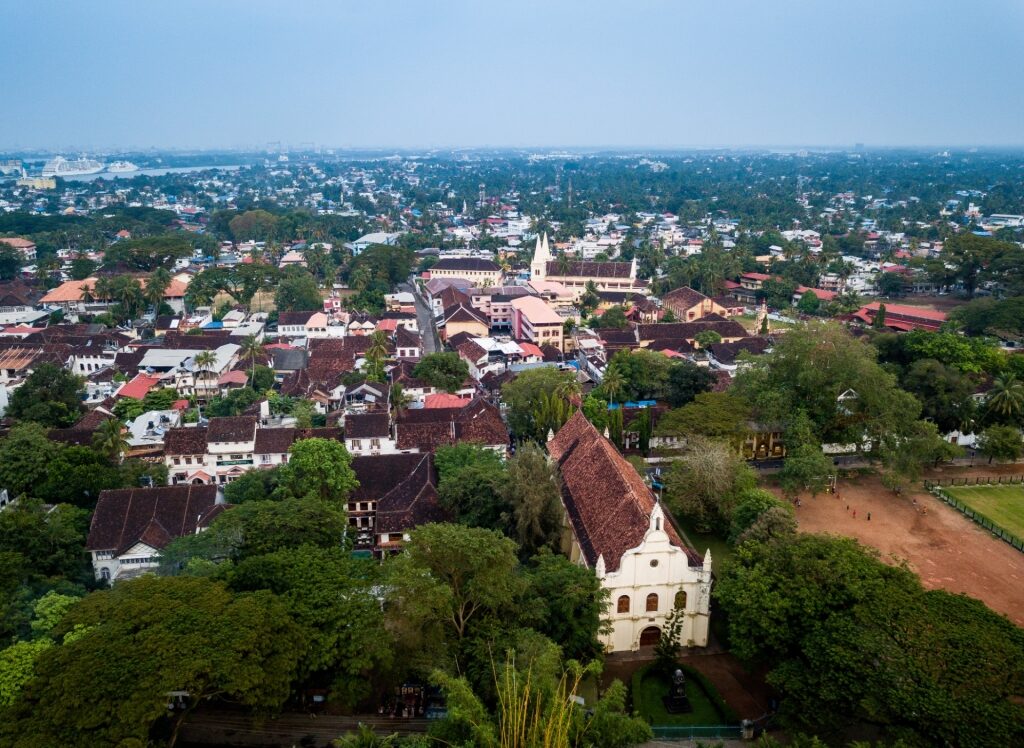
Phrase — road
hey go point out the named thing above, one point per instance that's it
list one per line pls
(425, 320)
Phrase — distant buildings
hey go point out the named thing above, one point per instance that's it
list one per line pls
(576, 274)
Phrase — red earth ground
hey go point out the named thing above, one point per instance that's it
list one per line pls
(947, 550)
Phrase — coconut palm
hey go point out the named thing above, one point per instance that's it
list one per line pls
(1006, 398)
(156, 285)
(101, 289)
(613, 383)
(399, 398)
(205, 361)
(375, 356)
(252, 348)
(110, 440)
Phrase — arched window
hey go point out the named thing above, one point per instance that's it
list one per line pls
(681, 600)
(623, 605)
(105, 573)
(652, 603)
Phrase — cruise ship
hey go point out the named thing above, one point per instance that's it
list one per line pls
(122, 166)
(62, 167)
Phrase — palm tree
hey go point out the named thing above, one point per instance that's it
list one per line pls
(205, 361)
(110, 440)
(399, 398)
(101, 289)
(252, 348)
(375, 356)
(156, 285)
(1006, 398)
(613, 383)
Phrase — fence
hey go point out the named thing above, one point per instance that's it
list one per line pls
(983, 480)
(980, 519)
(692, 732)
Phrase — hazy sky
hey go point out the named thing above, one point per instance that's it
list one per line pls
(220, 73)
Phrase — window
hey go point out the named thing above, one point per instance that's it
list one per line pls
(654, 562)
(623, 604)
(105, 573)
(681, 600)
(357, 444)
(652, 603)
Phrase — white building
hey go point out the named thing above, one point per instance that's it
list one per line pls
(615, 526)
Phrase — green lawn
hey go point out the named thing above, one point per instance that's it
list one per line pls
(1004, 505)
(720, 550)
(649, 704)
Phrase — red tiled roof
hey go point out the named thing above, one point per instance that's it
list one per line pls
(154, 516)
(138, 387)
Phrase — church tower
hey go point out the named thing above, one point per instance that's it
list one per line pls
(541, 257)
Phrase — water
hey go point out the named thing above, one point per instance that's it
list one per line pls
(147, 173)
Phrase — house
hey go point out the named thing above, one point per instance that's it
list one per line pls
(408, 345)
(307, 325)
(614, 525)
(478, 271)
(369, 433)
(25, 247)
(130, 526)
(687, 304)
(535, 321)
(725, 356)
(650, 335)
(425, 429)
(464, 318)
(292, 258)
(368, 240)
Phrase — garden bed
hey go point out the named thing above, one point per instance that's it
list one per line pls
(650, 684)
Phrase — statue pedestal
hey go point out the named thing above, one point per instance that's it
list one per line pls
(676, 702)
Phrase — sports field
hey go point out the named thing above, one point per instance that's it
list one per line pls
(1004, 505)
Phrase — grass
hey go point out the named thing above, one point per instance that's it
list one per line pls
(653, 686)
(1004, 505)
(720, 549)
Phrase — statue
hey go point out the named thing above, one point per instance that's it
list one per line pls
(676, 701)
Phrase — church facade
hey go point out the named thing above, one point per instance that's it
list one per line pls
(575, 274)
(614, 525)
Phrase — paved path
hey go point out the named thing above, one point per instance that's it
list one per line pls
(425, 320)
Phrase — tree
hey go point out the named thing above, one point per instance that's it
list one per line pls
(26, 456)
(686, 381)
(377, 353)
(251, 348)
(10, 262)
(531, 491)
(445, 371)
(303, 411)
(1001, 443)
(806, 468)
(472, 485)
(890, 285)
(777, 523)
(17, 667)
(1005, 401)
(252, 485)
(613, 382)
(716, 415)
(474, 568)
(331, 596)
(50, 395)
(666, 651)
(149, 253)
(185, 634)
(205, 361)
(318, 468)
(522, 394)
(946, 395)
(809, 303)
(878, 322)
(567, 604)
(156, 285)
(704, 482)
(110, 440)
(297, 291)
(750, 506)
(707, 338)
(819, 368)
(644, 373)
(613, 317)
(262, 378)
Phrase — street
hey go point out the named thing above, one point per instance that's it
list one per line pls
(425, 320)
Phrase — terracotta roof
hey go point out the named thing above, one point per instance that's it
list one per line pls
(185, 441)
(457, 264)
(728, 352)
(690, 330)
(589, 269)
(606, 500)
(155, 516)
(412, 502)
(293, 318)
(405, 338)
(426, 429)
(232, 429)
(444, 400)
(463, 313)
(379, 474)
(367, 425)
(138, 387)
(683, 298)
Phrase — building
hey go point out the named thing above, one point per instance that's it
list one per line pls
(902, 318)
(533, 320)
(25, 247)
(476, 270)
(688, 304)
(464, 318)
(368, 240)
(576, 274)
(130, 526)
(616, 527)
(369, 433)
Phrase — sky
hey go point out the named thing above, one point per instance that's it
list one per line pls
(526, 73)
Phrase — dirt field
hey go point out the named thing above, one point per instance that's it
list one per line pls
(945, 548)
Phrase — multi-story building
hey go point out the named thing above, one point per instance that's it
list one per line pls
(533, 320)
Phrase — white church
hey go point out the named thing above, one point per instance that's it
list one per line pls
(615, 526)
